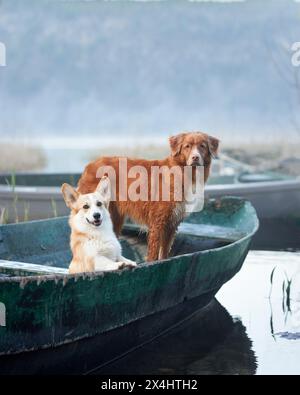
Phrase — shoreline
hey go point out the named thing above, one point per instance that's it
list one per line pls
(52, 156)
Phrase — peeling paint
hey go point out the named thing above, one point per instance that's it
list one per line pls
(2, 314)
(39, 280)
(24, 281)
(65, 280)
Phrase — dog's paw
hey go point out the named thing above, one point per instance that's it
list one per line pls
(128, 263)
(131, 263)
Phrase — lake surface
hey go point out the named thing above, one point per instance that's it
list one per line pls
(72, 155)
(251, 327)
(74, 160)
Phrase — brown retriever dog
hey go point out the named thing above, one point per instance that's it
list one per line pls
(161, 217)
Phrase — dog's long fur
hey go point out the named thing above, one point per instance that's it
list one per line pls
(94, 244)
(161, 217)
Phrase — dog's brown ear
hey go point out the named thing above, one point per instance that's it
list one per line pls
(70, 195)
(213, 146)
(104, 188)
(176, 143)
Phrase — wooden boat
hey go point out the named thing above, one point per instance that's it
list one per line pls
(276, 198)
(43, 307)
(33, 196)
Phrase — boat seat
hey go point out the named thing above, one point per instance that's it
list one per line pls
(222, 233)
(20, 268)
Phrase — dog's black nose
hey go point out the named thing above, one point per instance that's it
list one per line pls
(96, 216)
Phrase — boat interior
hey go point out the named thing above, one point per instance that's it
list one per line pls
(42, 247)
(134, 245)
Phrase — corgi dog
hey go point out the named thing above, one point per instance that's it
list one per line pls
(94, 244)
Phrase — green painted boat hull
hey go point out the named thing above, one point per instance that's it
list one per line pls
(49, 310)
(200, 325)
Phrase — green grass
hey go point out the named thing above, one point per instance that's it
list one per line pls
(54, 208)
(286, 298)
(12, 184)
(3, 216)
(271, 281)
(26, 212)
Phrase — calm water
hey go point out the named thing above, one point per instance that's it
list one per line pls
(250, 329)
(67, 160)
(74, 160)
(72, 155)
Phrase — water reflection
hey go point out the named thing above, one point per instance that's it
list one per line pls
(211, 342)
(269, 307)
(253, 328)
(290, 304)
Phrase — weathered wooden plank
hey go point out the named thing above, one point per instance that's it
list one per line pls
(29, 267)
(224, 233)
(211, 231)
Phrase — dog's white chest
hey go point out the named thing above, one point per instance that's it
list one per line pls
(193, 199)
(109, 248)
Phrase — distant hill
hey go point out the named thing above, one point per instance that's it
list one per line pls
(107, 68)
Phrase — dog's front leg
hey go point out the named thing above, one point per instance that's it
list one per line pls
(166, 242)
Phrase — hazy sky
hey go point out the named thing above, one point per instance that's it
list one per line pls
(129, 68)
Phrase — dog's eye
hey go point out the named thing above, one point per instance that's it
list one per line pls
(203, 145)
(99, 204)
(187, 146)
(86, 206)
